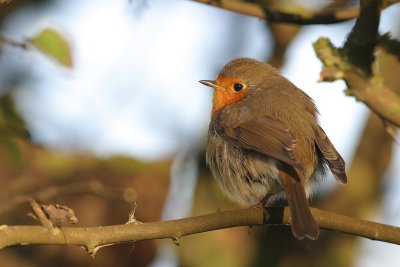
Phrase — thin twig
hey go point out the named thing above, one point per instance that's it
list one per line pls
(7, 41)
(92, 238)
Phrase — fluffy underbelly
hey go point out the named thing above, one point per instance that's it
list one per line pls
(245, 176)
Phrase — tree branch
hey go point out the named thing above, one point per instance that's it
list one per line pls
(263, 12)
(370, 90)
(354, 64)
(93, 238)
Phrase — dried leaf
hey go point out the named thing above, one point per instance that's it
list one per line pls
(59, 214)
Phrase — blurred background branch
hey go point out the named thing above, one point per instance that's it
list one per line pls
(95, 187)
(264, 12)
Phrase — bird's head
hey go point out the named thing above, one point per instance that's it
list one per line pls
(236, 80)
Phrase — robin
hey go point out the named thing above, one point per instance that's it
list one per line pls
(264, 141)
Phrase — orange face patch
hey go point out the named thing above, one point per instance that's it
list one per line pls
(227, 92)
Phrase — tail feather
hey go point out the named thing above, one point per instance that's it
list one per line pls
(302, 222)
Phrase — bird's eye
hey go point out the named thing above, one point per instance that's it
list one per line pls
(238, 87)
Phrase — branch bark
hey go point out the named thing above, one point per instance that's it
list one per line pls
(93, 238)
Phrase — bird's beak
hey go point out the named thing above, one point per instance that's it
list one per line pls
(212, 84)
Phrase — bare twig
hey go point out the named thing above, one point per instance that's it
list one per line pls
(7, 41)
(92, 238)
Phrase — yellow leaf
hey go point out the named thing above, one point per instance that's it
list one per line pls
(54, 45)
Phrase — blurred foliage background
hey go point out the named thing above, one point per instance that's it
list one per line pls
(54, 160)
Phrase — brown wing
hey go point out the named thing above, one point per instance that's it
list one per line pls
(265, 134)
(332, 157)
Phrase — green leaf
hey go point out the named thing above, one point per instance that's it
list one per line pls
(54, 45)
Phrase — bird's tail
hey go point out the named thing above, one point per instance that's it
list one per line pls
(302, 222)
